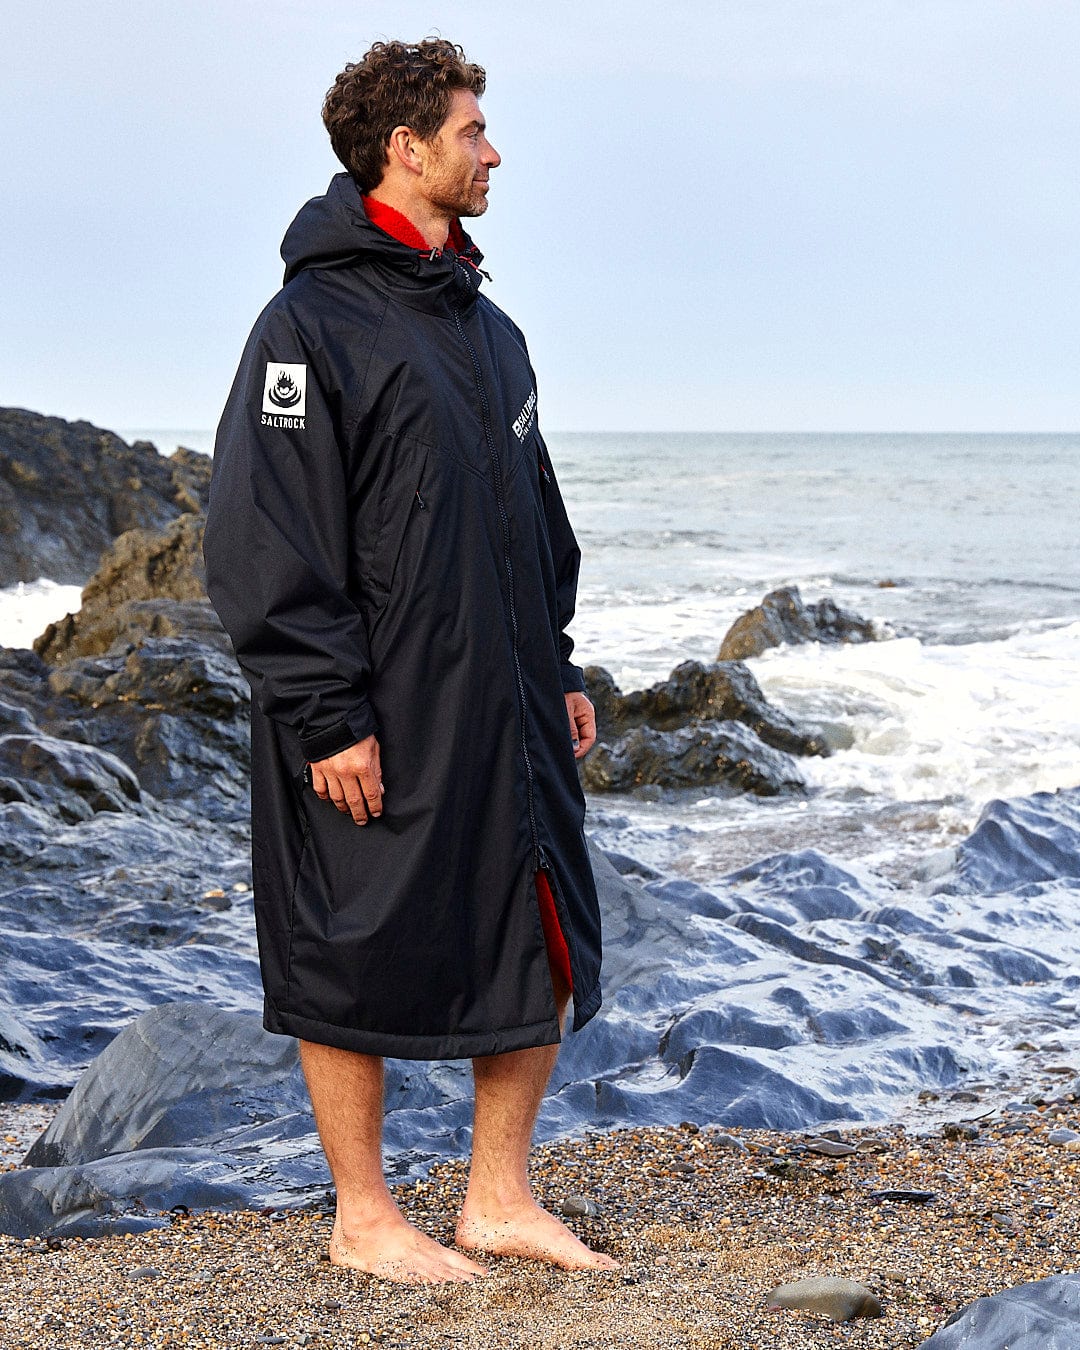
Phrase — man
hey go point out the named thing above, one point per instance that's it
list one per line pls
(387, 547)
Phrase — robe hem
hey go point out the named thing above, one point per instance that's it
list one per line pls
(392, 1045)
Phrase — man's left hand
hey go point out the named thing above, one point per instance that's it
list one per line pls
(582, 716)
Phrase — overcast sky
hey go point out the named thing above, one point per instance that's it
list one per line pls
(711, 214)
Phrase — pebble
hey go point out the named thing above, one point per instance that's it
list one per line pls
(144, 1273)
(729, 1142)
(830, 1148)
(580, 1207)
(904, 1197)
(1062, 1136)
(838, 1299)
(959, 1129)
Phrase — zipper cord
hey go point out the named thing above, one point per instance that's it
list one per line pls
(485, 412)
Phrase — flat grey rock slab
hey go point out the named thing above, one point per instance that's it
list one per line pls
(1044, 1315)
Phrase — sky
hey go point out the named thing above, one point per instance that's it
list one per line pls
(711, 215)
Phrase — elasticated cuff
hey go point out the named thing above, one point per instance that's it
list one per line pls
(356, 727)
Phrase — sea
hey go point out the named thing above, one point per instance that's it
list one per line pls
(963, 549)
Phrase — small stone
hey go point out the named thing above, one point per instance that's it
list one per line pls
(270, 1340)
(959, 1129)
(830, 1148)
(1073, 1146)
(903, 1197)
(682, 1168)
(580, 1207)
(1024, 1045)
(215, 894)
(144, 1273)
(838, 1299)
(332, 1305)
(964, 1096)
(1062, 1136)
(729, 1142)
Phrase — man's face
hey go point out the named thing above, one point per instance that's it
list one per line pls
(460, 158)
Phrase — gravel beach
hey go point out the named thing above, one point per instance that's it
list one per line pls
(704, 1223)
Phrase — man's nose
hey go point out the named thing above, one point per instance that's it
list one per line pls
(492, 158)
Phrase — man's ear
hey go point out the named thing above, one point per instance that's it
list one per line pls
(404, 148)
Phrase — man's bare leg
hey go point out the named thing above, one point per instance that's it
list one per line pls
(500, 1215)
(370, 1232)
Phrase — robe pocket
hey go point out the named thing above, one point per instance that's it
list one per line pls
(400, 509)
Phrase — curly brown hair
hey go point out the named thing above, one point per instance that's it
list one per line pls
(394, 84)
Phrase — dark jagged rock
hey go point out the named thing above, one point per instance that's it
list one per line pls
(173, 709)
(784, 617)
(67, 489)
(71, 779)
(704, 725)
(694, 692)
(1043, 1315)
(147, 584)
(141, 1091)
(724, 754)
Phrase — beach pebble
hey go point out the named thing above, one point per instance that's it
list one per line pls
(959, 1129)
(580, 1207)
(729, 1142)
(834, 1297)
(144, 1273)
(830, 1148)
(1062, 1136)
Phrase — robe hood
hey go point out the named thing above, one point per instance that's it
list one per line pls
(334, 231)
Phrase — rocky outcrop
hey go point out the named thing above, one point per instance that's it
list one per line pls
(67, 489)
(706, 725)
(1043, 1314)
(147, 584)
(784, 617)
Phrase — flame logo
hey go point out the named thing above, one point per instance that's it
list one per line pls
(285, 393)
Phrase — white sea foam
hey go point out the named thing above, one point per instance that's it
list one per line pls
(961, 723)
(27, 609)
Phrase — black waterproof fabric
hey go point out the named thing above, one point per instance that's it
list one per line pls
(387, 546)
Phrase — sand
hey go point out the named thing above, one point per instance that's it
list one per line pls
(704, 1229)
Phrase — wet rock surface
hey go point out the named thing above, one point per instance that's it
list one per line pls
(753, 1005)
(783, 617)
(67, 489)
(1043, 1315)
(706, 725)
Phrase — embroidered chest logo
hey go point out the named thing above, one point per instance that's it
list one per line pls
(285, 395)
(523, 422)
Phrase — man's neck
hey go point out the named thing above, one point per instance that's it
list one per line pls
(432, 224)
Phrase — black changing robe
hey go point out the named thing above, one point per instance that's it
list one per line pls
(388, 549)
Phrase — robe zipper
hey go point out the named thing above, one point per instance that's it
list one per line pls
(496, 467)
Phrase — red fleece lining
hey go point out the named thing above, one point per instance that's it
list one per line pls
(393, 223)
(399, 227)
(557, 950)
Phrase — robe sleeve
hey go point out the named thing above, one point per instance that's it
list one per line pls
(567, 559)
(277, 543)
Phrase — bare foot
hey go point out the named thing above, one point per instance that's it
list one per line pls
(527, 1230)
(394, 1250)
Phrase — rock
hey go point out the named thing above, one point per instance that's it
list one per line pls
(1043, 1315)
(139, 1091)
(144, 1273)
(902, 1197)
(70, 779)
(783, 617)
(579, 1207)
(67, 489)
(728, 1141)
(172, 709)
(1062, 1136)
(147, 584)
(836, 1298)
(718, 754)
(830, 1148)
(696, 693)
(959, 1129)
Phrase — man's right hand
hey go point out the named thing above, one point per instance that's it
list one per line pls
(352, 780)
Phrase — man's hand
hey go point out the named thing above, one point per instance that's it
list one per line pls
(352, 780)
(582, 716)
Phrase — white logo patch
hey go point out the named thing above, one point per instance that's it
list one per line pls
(285, 390)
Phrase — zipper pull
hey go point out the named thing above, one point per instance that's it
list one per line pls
(420, 501)
(543, 468)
